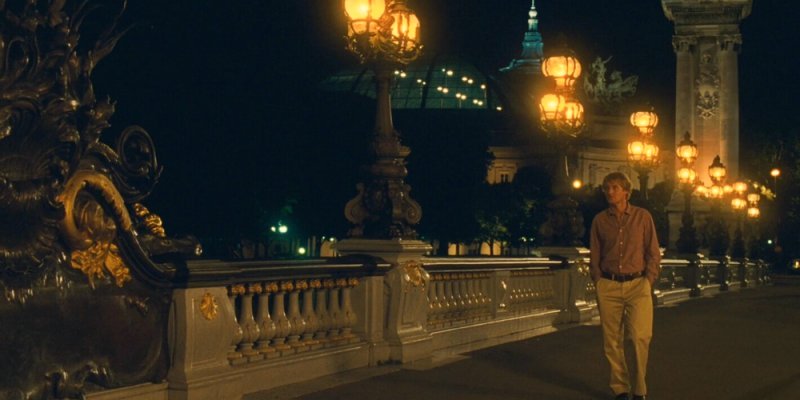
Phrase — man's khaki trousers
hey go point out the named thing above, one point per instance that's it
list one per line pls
(626, 308)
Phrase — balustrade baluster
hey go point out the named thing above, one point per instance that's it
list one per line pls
(450, 305)
(312, 321)
(250, 328)
(335, 313)
(233, 293)
(348, 315)
(325, 320)
(264, 320)
(466, 300)
(282, 325)
(441, 299)
(296, 321)
(458, 299)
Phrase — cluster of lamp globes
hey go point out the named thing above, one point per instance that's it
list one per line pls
(561, 111)
(743, 199)
(380, 29)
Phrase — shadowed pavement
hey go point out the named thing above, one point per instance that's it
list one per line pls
(735, 346)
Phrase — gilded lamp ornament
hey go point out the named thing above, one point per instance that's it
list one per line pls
(561, 116)
(642, 151)
(383, 36)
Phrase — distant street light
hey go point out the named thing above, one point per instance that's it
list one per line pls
(642, 152)
(687, 179)
(384, 36)
(561, 115)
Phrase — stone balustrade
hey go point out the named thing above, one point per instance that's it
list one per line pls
(245, 327)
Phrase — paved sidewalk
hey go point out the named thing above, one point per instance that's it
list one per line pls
(735, 346)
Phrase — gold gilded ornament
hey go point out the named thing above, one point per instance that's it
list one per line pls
(208, 306)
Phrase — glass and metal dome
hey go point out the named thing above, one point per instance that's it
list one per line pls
(440, 82)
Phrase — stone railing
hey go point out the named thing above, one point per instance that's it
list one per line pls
(240, 328)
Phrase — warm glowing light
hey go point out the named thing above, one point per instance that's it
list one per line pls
(301, 251)
(363, 15)
(740, 187)
(716, 192)
(644, 121)
(687, 150)
(483, 86)
(635, 150)
(572, 114)
(449, 72)
(753, 198)
(727, 189)
(738, 203)
(498, 108)
(753, 212)
(717, 171)
(445, 90)
(577, 184)
(549, 107)
(775, 172)
(405, 27)
(283, 229)
(702, 191)
(563, 69)
(686, 175)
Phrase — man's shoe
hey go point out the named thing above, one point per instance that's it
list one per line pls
(622, 396)
(637, 397)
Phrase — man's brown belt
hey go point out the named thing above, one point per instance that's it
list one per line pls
(623, 278)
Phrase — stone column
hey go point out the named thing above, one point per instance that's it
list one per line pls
(729, 100)
(684, 47)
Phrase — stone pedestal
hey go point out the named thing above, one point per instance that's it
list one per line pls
(574, 287)
(405, 301)
(199, 339)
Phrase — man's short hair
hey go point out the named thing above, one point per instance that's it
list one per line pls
(623, 180)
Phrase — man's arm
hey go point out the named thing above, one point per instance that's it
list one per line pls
(594, 251)
(652, 253)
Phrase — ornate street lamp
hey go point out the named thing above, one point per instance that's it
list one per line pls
(739, 205)
(717, 227)
(384, 37)
(561, 115)
(642, 152)
(687, 179)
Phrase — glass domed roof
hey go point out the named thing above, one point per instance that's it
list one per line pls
(440, 82)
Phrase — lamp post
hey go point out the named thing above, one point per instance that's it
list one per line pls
(383, 36)
(718, 238)
(687, 179)
(561, 117)
(739, 206)
(642, 152)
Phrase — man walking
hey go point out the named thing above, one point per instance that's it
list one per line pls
(625, 263)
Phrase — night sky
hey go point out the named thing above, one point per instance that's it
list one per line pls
(224, 87)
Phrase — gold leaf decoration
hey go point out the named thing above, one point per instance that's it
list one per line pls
(209, 306)
(414, 273)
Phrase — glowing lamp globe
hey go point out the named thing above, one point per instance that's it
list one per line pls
(775, 172)
(572, 115)
(687, 150)
(686, 175)
(549, 107)
(740, 187)
(753, 198)
(753, 212)
(563, 69)
(716, 192)
(717, 171)
(644, 121)
(636, 150)
(363, 16)
(738, 203)
(405, 27)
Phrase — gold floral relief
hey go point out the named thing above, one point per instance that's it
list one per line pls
(209, 306)
(414, 273)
